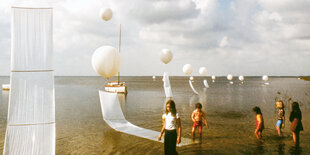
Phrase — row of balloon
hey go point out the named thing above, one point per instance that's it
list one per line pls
(106, 60)
(241, 78)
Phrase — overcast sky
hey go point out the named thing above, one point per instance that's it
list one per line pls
(238, 37)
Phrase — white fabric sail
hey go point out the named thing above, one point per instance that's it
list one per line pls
(114, 117)
(167, 86)
(31, 111)
(205, 82)
(191, 84)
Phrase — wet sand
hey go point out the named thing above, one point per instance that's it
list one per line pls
(80, 128)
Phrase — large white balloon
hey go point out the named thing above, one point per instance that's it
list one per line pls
(188, 69)
(265, 78)
(203, 71)
(165, 55)
(241, 77)
(213, 77)
(106, 14)
(106, 61)
(229, 77)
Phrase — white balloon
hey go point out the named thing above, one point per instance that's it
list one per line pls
(213, 77)
(241, 77)
(165, 55)
(106, 14)
(229, 77)
(106, 61)
(203, 71)
(265, 78)
(191, 78)
(188, 69)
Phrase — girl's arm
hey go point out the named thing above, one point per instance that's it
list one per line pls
(205, 119)
(193, 116)
(179, 130)
(162, 129)
(283, 118)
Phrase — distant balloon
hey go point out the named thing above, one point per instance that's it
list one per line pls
(241, 78)
(165, 55)
(265, 78)
(106, 61)
(202, 70)
(188, 69)
(229, 77)
(106, 14)
(213, 77)
(191, 78)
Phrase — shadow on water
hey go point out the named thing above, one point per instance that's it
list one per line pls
(259, 148)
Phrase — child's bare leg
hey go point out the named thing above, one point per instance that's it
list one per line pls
(200, 133)
(193, 132)
(260, 134)
(279, 131)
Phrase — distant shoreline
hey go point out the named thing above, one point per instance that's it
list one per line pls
(307, 78)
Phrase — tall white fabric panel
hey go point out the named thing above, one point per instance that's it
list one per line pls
(31, 111)
(32, 39)
(31, 98)
(167, 86)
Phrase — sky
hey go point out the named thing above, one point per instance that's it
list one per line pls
(238, 37)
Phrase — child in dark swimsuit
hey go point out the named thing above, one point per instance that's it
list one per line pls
(296, 125)
(259, 122)
(197, 116)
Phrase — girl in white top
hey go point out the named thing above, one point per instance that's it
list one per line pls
(171, 122)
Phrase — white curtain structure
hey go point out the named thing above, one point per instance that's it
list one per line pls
(31, 111)
(114, 117)
(167, 86)
(191, 84)
(205, 82)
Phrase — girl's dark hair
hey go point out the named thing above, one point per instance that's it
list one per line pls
(198, 105)
(172, 106)
(295, 107)
(282, 103)
(257, 110)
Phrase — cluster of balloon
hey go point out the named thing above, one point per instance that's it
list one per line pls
(213, 78)
(230, 77)
(106, 61)
(265, 78)
(105, 14)
(165, 55)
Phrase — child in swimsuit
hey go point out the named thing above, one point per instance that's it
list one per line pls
(197, 116)
(259, 122)
(281, 116)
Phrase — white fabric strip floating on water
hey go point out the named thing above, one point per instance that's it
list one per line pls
(167, 86)
(205, 82)
(191, 84)
(31, 111)
(114, 117)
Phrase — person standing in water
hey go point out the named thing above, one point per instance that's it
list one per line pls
(197, 116)
(259, 122)
(171, 122)
(296, 125)
(281, 116)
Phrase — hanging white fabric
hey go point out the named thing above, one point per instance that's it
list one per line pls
(191, 84)
(31, 111)
(114, 117)
(167, 86)
(205, 82)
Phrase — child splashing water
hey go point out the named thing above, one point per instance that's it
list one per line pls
(197, 116)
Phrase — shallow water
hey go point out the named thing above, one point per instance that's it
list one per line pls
(80, 128)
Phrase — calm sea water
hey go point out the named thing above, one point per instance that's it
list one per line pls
(80, 128)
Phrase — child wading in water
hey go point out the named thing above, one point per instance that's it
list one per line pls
(281, 116)
(171, 123)
(197, 116)
(259, 122)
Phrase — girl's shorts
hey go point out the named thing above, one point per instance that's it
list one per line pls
(279, 123)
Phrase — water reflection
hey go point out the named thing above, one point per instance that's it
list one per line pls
(259, 149)
(295, 150)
